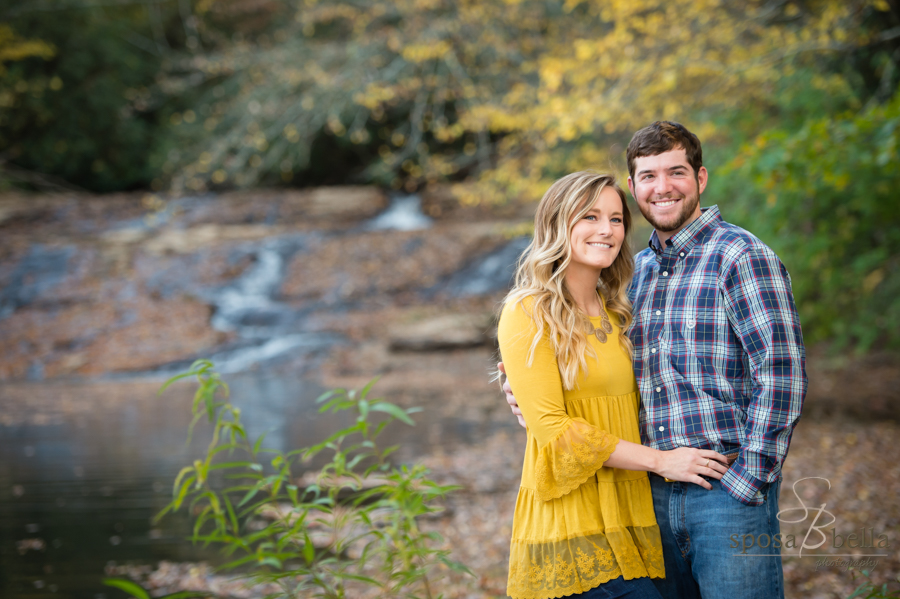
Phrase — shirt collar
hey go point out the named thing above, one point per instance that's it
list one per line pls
(692, 234)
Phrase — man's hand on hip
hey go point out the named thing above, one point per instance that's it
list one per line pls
(510, 398)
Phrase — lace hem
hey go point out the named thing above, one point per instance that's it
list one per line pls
(561, 568)
(571, 459)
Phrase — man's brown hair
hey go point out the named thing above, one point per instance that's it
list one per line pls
(660, 137)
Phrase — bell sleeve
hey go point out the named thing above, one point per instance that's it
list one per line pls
(570, 450)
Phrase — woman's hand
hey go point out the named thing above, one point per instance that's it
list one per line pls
(690, 465)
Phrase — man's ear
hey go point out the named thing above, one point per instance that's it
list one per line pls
(631, 187)
(702, 178)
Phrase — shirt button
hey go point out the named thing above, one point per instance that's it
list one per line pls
(665, 273)
(653, 350)
(658, 389)
(681, 254)
(662, 428)
(658, 312)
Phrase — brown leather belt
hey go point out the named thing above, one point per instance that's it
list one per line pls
(731, 458)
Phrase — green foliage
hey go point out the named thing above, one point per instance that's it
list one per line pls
(503, 96)
(868, 590)
(356, 525)
(14, 48)
(86, 115)
(137, 591)
(823, 197)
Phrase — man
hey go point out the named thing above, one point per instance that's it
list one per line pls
(719, 359)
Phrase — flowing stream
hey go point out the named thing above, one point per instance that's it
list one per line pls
(86, 464)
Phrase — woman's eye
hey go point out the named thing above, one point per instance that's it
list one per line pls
(590, 217)
(616, 219)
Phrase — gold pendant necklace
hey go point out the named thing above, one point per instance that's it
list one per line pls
(605, 327)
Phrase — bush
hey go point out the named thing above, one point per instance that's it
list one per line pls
(868, 590)
(823, 197)
(354, 529)
(84, 115)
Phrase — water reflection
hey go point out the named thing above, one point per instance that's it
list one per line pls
(85, 466)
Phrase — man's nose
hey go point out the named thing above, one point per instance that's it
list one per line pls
(663, 184)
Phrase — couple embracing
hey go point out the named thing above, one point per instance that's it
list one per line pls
(659, 392)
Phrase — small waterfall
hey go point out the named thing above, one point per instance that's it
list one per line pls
(265, 327)
(488, 274)
(404, 214)
(248, 301)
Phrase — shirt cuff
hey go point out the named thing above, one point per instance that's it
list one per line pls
(741, 485)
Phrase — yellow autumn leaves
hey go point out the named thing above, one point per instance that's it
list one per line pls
(513, 92)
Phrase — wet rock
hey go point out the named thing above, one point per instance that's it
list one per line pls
(185, 241)
(333, 202)
(155, 333)
(111, 336)
(42, 269)
(442, 332)
(22, 209)
(358, 265)
(329, 207)
(125, 236)
(491, 273)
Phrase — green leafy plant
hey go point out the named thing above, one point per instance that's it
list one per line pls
(868, 590)
(138, 592)
(353, 527)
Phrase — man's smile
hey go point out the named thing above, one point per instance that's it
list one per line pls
(665, 202)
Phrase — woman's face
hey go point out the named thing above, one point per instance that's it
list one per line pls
(598, 236)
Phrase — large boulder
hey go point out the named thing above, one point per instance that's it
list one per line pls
(442, 332)
(186, 241)
(345, 201)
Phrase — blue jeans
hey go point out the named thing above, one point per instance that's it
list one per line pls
(707, 543)
(619, 588)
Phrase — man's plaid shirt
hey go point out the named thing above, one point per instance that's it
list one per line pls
(718, 352)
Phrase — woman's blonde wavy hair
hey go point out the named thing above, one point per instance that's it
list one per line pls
(540, 274)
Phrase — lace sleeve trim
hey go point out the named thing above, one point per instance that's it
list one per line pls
(566, 462)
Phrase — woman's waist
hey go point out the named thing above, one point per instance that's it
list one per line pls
(597, 483)
(588, 394)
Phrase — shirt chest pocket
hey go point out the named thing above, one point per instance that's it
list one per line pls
(701, 315)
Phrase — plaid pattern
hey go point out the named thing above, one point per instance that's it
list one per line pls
(718, 352)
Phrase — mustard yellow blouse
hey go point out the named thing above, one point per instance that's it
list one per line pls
(577, 524)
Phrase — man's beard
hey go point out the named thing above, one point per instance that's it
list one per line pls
(688, 206)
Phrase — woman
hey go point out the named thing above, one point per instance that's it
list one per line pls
(584, 522)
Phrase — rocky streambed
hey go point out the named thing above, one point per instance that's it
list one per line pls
(103, 286)
(291, 293)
